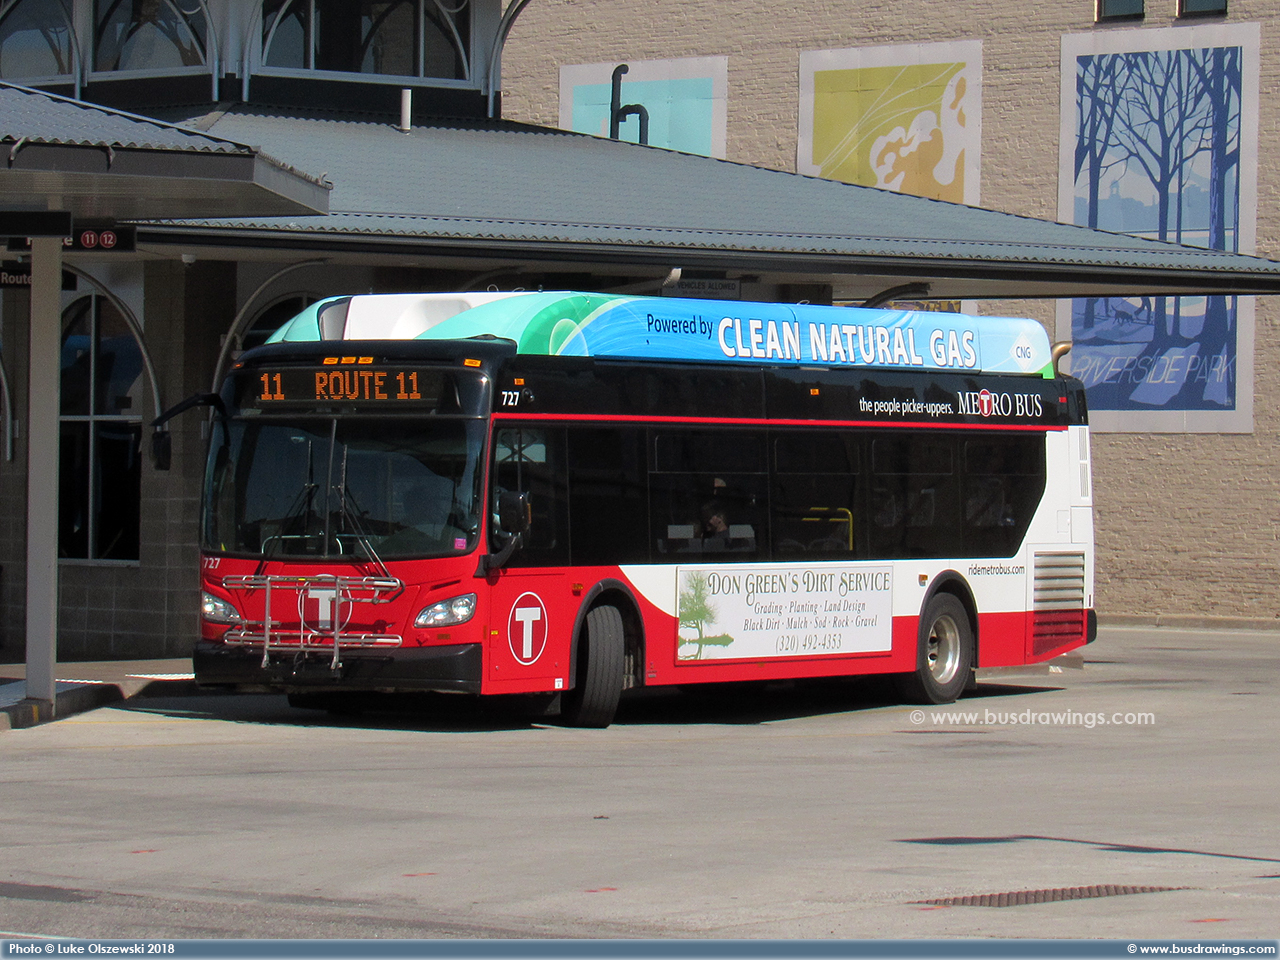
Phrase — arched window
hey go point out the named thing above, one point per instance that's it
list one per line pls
(150, 34)
(100, 464)
(402, 38)
(36, 41)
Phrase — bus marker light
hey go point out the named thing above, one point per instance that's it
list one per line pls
(471, 363)
(924, 578)
(576, 588)
(518, 381)
(813, 391)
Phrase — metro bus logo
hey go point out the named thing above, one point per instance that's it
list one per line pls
(527, 628)
(984, 403)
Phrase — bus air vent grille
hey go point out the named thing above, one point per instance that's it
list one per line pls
(1058, 615)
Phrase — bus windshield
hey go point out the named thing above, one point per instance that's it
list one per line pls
(344, 488)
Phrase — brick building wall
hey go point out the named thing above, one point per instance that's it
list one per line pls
(1186, 523)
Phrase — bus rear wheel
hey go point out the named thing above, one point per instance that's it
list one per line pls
(593, 701)
(944, 656)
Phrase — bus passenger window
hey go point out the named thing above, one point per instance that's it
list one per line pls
(608, 511)
(914, 512)
(814, 503)
(1004, 480)
(707, 495)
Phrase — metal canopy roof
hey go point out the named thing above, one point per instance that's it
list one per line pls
(67, 155)
(531, 194)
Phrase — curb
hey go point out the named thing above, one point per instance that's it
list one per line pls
(1182, 621)
(29, 713)
(76, 698)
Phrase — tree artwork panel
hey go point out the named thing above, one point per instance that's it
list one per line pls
(1158, 155)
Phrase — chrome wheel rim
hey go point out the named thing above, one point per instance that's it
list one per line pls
(944, 650)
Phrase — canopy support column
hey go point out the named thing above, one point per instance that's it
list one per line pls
(43, 395)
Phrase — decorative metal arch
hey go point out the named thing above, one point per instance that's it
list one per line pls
(448, 16)
(131, 322)
(211, 51)
(6, 8)
(7, 423)
(236, 332)
(494, 78)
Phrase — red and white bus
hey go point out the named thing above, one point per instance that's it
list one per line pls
(566, 495)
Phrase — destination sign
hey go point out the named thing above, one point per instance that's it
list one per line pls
(361, 384)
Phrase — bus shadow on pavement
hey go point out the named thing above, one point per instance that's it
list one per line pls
(755, 703)
(426, 712)
(735, 704)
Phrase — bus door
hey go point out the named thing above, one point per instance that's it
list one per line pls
(532, 599)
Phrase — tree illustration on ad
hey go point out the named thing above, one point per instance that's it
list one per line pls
(696, 612)
(1157, 155)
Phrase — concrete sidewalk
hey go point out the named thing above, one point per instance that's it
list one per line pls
(86, 686)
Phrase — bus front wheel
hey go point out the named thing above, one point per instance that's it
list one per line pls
(601, 653)
(944, 656)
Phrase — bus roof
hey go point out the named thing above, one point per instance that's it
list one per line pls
(565, 323)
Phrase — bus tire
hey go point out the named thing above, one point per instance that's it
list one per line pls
(601, 650)
(944, 653)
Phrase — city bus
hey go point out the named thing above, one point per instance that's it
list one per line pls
(563, 496)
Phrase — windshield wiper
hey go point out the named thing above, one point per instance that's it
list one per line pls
(300, 511)
(347, 498)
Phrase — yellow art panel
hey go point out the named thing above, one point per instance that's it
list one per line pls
(901, 128)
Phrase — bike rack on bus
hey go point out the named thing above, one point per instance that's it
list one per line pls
(328, 634)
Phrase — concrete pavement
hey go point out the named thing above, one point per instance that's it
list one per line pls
(813, 810)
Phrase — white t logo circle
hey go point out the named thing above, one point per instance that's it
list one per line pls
(527, 628)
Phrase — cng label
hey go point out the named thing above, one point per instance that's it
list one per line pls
(527, 628)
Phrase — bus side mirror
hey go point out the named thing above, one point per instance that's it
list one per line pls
(161, 449)
(514, 512)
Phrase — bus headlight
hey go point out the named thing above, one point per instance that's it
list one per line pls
(446, 613)
(216, 610)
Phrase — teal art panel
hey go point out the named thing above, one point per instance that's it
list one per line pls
(680, 112)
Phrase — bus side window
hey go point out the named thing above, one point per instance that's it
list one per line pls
(914, 513)
(707, 494)
(814, 507)
(1004, 481)
(608, 516)
(533, 461)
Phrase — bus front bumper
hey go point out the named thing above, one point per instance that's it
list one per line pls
(455, 667)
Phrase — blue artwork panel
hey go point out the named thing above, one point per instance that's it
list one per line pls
(1158, 155)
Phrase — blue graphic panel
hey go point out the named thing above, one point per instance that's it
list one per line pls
(1158, 155)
